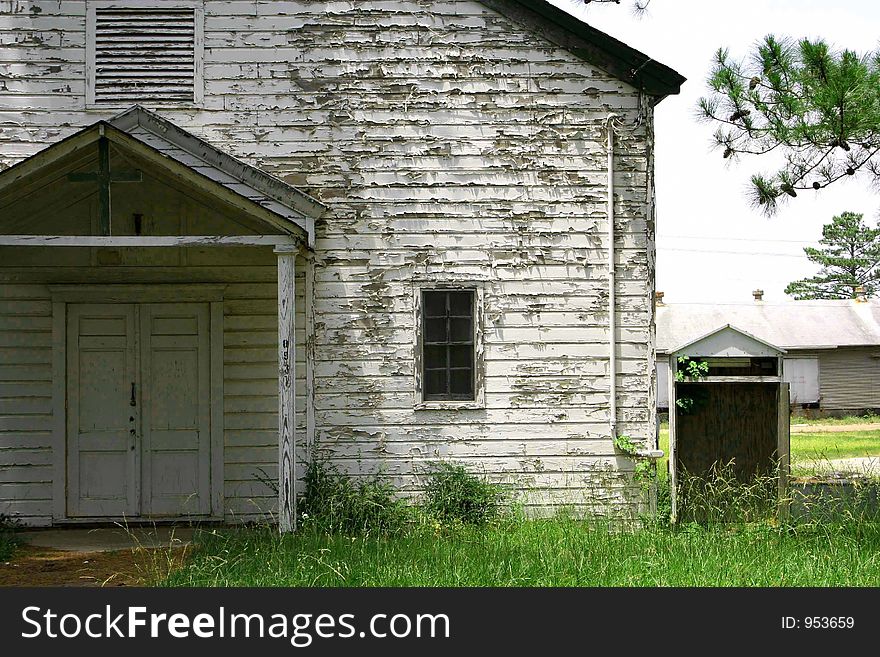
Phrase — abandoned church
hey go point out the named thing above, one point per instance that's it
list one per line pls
(236, 235)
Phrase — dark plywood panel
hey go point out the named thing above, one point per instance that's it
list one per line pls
(730, 422)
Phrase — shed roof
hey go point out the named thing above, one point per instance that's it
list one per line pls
(792, 325)
(592, 45)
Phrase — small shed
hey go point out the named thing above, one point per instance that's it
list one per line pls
(735, 409)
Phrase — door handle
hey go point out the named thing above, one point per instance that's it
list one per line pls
(133, 401)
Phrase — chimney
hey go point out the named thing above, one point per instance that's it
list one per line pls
(859, 291)
(658, 298)
(758, 294)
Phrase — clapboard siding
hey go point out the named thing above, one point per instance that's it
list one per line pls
(450, 144)
(25, 402)
(250, 404)
(849, 378)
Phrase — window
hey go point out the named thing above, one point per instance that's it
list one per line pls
(144, 54)
(448, 345)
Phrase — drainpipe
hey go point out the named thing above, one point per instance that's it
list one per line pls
(612, 301)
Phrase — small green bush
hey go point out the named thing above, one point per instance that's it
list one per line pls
(333, 502)
(453, 494)
(8, 539)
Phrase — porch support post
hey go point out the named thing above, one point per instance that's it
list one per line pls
(286, 388)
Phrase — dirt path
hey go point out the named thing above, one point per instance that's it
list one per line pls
(833, 428)
(39, 566)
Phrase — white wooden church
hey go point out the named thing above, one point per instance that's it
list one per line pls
(237, 233)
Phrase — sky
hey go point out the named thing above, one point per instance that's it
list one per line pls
(712, 246)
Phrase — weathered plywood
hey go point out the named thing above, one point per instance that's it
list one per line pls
(735, 422)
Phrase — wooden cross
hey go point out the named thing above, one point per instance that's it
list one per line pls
(104, 177)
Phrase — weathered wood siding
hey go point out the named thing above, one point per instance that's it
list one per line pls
(450, 144)
(26, 402)
(849, 378)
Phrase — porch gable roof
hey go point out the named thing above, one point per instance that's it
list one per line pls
(181, 153)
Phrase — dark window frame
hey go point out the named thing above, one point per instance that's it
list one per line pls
(448, 344)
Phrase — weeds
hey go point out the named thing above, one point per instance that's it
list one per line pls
(8, 539)
(453, 494)
(720, 497)
(333, 502)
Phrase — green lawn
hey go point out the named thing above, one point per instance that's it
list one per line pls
(558, 552)
(834, 445)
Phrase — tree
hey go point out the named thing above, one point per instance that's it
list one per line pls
(818, 108)
(850, 258)
(639, 6)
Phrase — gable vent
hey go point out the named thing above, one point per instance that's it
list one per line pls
(145, 54)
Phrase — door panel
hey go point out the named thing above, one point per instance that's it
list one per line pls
(102, 460)
(176, 409)
(138, 382)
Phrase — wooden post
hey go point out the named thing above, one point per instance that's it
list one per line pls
(783, 448)
(673, 465)
(286, 389)
(310, 355)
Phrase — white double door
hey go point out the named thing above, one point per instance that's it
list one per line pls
(138, 416)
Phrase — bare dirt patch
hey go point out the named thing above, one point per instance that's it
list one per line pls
(38, 566)
(833, 428)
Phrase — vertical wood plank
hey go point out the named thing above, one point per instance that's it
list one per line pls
(72, 402)
(104, 211)
(286, 390)
(673, 466)
(216, 349)
(783, 448)
(310, 355)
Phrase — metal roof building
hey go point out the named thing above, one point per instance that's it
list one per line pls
(832, 358)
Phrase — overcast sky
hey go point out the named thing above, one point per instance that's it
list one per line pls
(712, 246)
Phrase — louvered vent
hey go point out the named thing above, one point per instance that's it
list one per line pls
(144, 54)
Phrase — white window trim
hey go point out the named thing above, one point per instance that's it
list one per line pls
(198, 48)
(479, 400)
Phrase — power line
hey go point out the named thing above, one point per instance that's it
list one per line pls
(739, 253)
(734, 239)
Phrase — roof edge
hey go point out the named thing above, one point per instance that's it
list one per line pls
(722, 328)
(592, 45)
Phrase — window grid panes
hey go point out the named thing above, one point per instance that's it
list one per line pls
(448, 344)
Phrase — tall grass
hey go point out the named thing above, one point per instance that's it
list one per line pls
(730, 536)
(552, 552)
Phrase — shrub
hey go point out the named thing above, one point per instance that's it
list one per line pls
(333, 502)
(454, 494)
(8, 539)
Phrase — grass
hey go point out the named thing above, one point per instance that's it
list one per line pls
(440, 541)
(554, 552)
(837, 445)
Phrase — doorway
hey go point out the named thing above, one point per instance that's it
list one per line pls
(138, 410)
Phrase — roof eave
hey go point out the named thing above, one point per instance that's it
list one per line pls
(592, 45)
